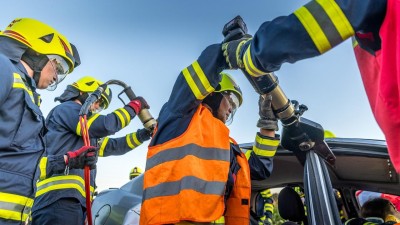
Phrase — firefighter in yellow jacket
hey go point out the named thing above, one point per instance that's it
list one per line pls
(195, 171)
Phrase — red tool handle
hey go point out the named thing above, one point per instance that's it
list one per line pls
(86, 140)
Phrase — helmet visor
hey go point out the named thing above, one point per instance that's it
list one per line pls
(101, 106)
(234, 102)
(60, 67)
(102, 103)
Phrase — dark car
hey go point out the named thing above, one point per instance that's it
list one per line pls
(361, 164)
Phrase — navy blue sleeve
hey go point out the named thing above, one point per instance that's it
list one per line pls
(193, 84)
(67, 115)
(310, 31)
(6, 78)
(105, 125)
(119, 146)
(261, 157)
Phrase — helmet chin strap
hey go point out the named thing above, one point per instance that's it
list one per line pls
(36, 62)
(82, 98)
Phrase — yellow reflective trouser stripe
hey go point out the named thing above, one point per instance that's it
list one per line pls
(42, 166)
(62, 182)
(325, 22)
(265, 147)
(19, 83)
(132, 140)
(14, 207)
(249, 65)
(197, 81)
(103, 143)
(89, 123)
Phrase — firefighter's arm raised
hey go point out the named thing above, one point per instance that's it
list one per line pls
(310, 31)
(261, 156)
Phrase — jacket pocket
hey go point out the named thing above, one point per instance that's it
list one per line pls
(30, 131)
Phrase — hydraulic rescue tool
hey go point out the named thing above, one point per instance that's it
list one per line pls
(304, 137)
(144, 115)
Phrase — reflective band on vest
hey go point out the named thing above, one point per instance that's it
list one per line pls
(238, 203)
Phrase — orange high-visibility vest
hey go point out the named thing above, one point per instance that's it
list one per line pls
(238, 204)
(185, 177)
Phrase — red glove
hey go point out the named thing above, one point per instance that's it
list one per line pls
(78, 159)
(137, 104)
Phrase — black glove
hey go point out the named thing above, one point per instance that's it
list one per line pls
(267, 119)
(137, 104)
(85, 156)
(143, 135)
(232, 51)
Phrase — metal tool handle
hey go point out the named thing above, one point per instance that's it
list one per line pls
(144, 115)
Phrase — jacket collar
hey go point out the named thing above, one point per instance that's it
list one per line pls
(14, 51)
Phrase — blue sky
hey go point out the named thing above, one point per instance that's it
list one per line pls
(146, 44)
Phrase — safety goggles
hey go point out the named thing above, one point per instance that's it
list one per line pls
(234, 102)
(102, 105)
(102, 102)
(60, 67)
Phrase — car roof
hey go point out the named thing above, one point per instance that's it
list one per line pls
(361, 164)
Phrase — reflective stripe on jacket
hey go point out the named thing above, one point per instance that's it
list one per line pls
(21, 135)
(63, 182)
(64, 135)
(310, 31)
